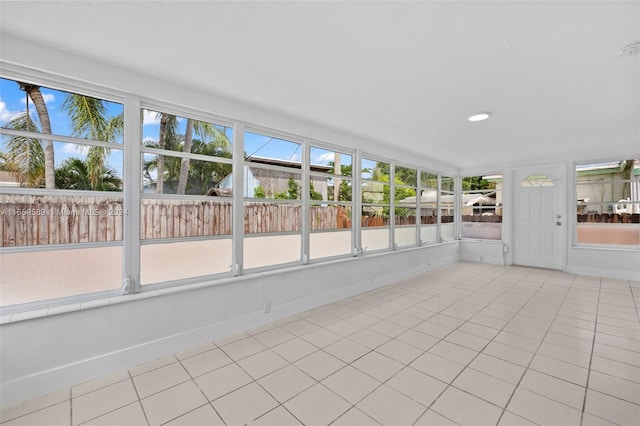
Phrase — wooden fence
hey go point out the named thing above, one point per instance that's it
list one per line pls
(27, 220)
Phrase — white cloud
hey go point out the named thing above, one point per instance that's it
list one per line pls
(150, 117)
(71, 148)
(48, 98)
(5, 114)
(323, 158)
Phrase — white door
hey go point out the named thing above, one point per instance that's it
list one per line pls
(539, 217)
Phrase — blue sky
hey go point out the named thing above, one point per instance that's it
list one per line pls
(13, 102)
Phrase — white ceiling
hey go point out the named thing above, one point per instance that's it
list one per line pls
(402, 73)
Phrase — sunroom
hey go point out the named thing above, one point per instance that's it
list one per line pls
(269, 193)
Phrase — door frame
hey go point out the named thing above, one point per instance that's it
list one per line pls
(560, 175)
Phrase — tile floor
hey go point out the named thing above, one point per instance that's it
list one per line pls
(466, 344)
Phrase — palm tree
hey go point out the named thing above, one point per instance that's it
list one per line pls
(205, 131)
(89, 121)
(74, 173)
(167, 135)
(25, 156)
(206, 173)
(43, 115)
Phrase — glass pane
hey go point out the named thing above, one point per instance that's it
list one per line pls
(375, 238)
(270, 217)
(171, 218)
(31, 220)
(482, 230)
(76, 166)
(428, 180)
(405, 216)
(375, 192)
(271, 250)
(406, 176)
(404, 197)
(174, 133)
(608, 203)
(536, 181)
(405, 236)
(330, 189)
(29, 107)
(429, 234)
(607, 233)
(184, 259)
(330, 162)
(42, 275)
(271, 184)
(330, 217)
(199, 177)
(375, 170)
(270, 150)
(90, 168)
(446, 231)
(373, 216)
(447, 183)
(329, 244)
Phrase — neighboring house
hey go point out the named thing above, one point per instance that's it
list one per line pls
(600, 183)
(429, 200)
(275, 181)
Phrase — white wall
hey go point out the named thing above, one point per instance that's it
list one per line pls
(44, 354)
(482, 251)
(621, 264)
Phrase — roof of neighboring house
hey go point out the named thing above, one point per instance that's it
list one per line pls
(431, 197)
(287, 163)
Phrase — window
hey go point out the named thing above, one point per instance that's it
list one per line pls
(428, 207)
(330, 205)
(405, 206)
(482, 205)
(184, 210)
(63, 193)
(447, 208)
(273, 200)
(61, 164)
(376, 205)
(608, 203)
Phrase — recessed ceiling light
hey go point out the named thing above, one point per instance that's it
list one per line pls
(479, 117)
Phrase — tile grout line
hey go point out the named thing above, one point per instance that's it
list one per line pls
(593, 344)
(479, 352)
(135, 388)
(539, 345)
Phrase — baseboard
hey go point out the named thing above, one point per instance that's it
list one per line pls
(615, 274)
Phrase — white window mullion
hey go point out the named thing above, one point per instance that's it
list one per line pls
(439, 211)
(457, 207)
(237, 255)
(419, 208)
(306, 203)
(392, 204)
(356, 203)
(131, 202)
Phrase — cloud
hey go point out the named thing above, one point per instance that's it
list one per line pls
(7, 115)
(72, 148)
(323, 158)
(48, 98)
(150, 117)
